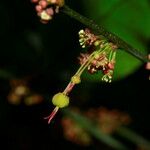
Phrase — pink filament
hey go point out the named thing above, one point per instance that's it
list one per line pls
(69, 88)
(51, 116)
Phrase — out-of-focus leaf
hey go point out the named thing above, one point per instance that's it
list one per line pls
(133, 137)
(123, 19)
(95, 131)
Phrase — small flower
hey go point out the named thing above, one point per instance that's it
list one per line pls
(21, 93)
(46, 9)
(45, 16)
(60, 100)
(104, 54)
(19, 89)
(86, 38)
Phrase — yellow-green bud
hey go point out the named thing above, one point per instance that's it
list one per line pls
(60, 100)
(75, 79)
(45, 16)
(96, 56)
(81, 32)
(97, 42)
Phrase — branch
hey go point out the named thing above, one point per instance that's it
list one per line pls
(101, 31)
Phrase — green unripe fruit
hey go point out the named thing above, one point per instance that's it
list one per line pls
(60, 100)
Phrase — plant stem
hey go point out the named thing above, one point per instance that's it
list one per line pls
(84, 65)
(101, 31)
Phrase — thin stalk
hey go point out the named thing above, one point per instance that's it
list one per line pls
(101, 31)
(80, 70)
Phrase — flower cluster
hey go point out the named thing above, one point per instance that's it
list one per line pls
(100, 56)
(21, 93)
(106, 120)
(47, 8)
(75, 133)
(104, 54)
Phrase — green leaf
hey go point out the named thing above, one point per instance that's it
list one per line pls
(123, 19)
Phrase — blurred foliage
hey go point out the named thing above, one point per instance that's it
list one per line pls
(94, 126)
(94, 130)
(129, 20)
(105, 121)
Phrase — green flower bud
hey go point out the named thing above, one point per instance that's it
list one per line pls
(75, 79)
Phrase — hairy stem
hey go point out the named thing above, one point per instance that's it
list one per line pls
(101, 31)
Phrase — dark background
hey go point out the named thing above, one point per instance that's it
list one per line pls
(48, 54)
